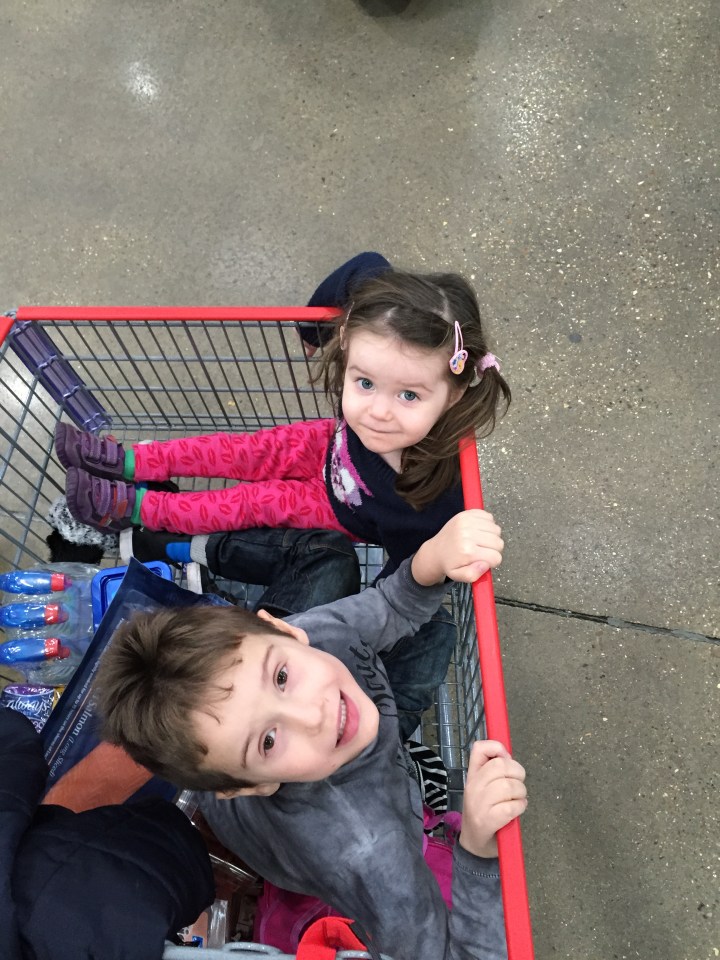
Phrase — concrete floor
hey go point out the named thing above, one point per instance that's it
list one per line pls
(563, 154)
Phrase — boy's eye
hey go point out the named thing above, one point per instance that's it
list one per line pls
(282, 677)
(269, 741)
(409, 395)
(365, 384)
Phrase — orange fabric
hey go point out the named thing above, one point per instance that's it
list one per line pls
(106, 775)
(325, 937)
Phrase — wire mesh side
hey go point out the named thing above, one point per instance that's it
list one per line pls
(174, 377)
(29, 480)
(458, 718)
(152, 380)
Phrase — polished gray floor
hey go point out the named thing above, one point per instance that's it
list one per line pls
(564, 155)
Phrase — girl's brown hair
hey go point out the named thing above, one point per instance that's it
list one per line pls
(159, 669)
(422, 310)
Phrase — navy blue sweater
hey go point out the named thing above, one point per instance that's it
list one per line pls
(336, 291)
(361, 490)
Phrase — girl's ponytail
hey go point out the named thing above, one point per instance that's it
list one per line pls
(432, 466)
(492, 393)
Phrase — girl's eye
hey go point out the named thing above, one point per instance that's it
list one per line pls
(282, 677)
(365, 384)
(409, 395)
(269, 741)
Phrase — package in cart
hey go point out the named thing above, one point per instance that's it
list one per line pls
(83, 769)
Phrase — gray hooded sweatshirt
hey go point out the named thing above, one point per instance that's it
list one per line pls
(355, 839)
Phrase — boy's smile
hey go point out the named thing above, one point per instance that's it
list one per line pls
(284, 712)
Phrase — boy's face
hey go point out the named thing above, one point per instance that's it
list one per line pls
(294, 714)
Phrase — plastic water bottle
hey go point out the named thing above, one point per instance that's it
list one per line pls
(32, 649)
(28, 615)
(33, 581)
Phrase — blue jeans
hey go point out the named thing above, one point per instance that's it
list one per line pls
(300, 568)
(417, 665)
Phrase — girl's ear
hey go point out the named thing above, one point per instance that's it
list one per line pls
(342, 333)
(456, 393)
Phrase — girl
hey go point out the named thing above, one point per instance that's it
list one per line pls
(409, 373)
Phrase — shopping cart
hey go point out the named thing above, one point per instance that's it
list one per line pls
(165, 372)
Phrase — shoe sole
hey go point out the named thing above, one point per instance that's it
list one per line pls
(61, 430)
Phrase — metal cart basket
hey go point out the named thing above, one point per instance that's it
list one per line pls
(158, 373)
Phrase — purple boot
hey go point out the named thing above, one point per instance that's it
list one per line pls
(100, 456)
(106, 505)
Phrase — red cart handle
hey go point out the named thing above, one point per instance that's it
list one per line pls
(512, 867)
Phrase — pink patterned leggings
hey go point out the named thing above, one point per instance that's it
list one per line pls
(282, 467)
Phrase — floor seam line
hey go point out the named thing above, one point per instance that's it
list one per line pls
(617, 622)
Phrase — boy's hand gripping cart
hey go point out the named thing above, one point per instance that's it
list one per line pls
(161, 372)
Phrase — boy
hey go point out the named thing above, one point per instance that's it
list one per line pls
(295, 743)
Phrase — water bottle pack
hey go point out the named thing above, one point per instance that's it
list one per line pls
(46, 620)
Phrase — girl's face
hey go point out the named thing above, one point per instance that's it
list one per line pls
(394, 392)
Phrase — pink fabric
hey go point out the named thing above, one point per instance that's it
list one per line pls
(438, 850)
(294, 451)
(284, 465)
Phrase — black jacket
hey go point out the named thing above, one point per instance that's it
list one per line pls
(108, 884)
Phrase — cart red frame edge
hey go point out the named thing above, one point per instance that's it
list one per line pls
(518, 931)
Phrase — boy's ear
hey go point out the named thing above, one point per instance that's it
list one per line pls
(259, 790)
(297, 633)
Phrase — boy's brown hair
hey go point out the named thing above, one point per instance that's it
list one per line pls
(159, 669)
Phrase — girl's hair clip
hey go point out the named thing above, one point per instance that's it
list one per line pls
(459, 358)
(485, 362)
